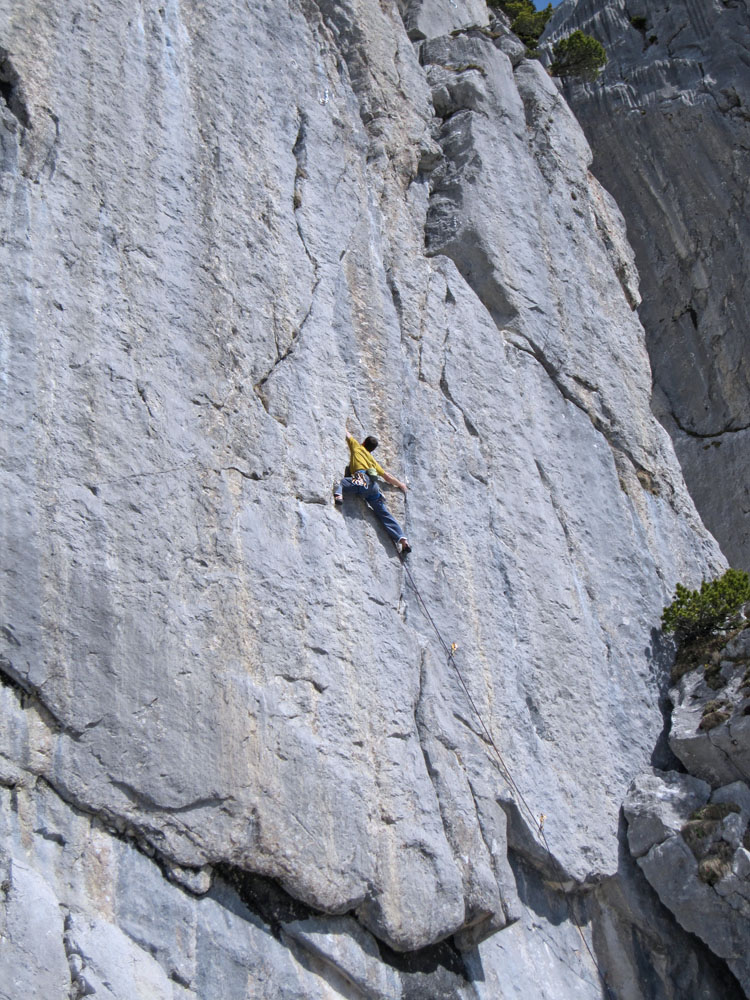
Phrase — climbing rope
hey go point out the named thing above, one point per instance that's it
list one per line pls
(537, 824)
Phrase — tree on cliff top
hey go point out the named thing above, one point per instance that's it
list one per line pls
(578, 55)
(525, 20)
(695, 613)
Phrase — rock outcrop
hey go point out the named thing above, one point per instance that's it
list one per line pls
(235, 759)
(690, 832)
(711, 716)
(669, 124)
(693, 847)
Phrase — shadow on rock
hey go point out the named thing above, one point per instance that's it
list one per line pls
(660, 656)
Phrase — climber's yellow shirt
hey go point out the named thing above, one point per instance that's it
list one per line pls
(360, 458)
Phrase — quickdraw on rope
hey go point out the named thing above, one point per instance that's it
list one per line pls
(536, 823)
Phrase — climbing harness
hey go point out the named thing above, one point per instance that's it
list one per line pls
(537, 824)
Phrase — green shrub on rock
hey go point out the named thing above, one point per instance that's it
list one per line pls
(525, 20)
(695, 613)
(578, 55)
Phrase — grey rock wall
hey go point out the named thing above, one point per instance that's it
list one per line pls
(669, 126)
(230, 233)
(689, 831)
(697, 862)
(85, 913)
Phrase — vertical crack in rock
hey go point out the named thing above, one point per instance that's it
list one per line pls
(398, 304)
(80, 987)
(604, 426)
(11, 90)
(299, 151)
(503, 874)
(622, 268)
(488, 891)
(259, 387)
(423, 736)
(559, 513)
(448, 395)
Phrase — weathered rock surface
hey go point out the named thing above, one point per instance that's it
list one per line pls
(711, 716)
(86, 904)
(229, 233)
(695, 858)
(669, 124)
(104, 962)
(342, 943)
(432, 18)
(658, 805)
(128, 932)
(690, 832)
(32, 957)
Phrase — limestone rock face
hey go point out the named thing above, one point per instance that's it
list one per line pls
(32, 959)
(432, 18)
(657, 806)
(699, 867)
(669, 124)
(229, 233)
(689, 832)
(711, 717)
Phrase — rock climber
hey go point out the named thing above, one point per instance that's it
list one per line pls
(361, 479)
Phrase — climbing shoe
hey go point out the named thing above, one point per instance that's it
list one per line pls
(338, 499)
(403, 546)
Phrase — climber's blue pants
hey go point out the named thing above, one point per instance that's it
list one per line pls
(371, 493)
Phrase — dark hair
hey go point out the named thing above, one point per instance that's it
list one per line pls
(370, 443)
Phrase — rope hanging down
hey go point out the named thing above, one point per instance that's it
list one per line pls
(537, 824)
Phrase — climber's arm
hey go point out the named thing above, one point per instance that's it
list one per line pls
(393, 481)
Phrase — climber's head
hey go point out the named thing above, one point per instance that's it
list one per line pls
(370, 443)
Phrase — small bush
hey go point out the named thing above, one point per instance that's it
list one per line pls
(695, 613)
(715, 810)
(639, 23)
(697, 834)
(578, 55)
(700, 834)
(713, 677)
(713, 868)
(525, 20)
(699, 652)
(715, 705)
(713, 719)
